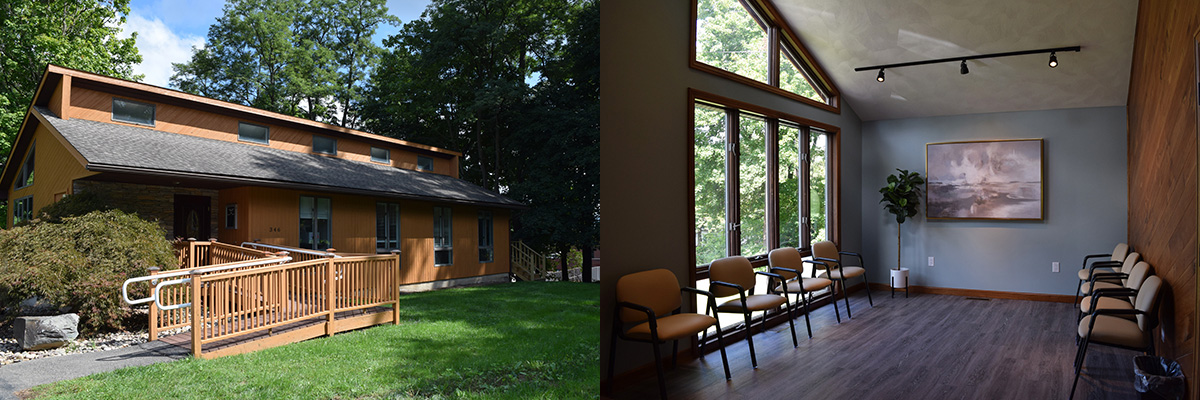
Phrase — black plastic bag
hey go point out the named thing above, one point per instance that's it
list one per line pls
(1157, 377)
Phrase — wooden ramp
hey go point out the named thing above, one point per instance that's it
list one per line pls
(284, 334)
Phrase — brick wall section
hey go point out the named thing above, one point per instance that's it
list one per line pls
(149, 201)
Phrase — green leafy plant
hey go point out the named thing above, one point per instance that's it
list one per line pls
(902, 198)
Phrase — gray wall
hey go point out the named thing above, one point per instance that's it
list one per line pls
(644, 167)
(1086, 201)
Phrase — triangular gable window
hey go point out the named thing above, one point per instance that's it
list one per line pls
(746, 41)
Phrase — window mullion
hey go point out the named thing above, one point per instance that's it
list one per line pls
(733, 215)
(773, 56)
(772, 192)
(804, 187)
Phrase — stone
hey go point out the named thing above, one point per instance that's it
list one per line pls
(40, 333)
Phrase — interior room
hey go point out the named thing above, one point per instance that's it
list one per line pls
(700, 141)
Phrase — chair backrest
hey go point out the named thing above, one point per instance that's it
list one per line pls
(736, 270)
(1120, 252)
(1147, 301)
(1137, 277)
(656, 289)
(826, 249)
(786, 257)
(1130, 261)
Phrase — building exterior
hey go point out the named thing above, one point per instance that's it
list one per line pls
(207, 168)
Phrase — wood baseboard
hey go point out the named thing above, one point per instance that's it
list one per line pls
(990, 294)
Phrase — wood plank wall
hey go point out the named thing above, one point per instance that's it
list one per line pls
(1162, 165)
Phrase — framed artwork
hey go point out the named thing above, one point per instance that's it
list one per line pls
(992, 179)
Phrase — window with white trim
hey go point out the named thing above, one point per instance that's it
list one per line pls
(252, 133)
(324, 145)
(132, 112)
(22, 209)
(381, 155)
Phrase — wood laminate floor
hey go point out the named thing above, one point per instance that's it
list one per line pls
(923, 347)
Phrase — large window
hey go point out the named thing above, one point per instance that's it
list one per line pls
(487, 252)
(762, 181)
(25, 175)
(443, 236)
(387, 227)
(747, 41)
(381, 155)
(324, 145)
(315, 227)
(132, 112)
(23, 209)
(254, 133)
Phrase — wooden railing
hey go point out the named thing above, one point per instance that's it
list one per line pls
(195, 253)
(527, 264)
(297, 254)
(231, 304)
(164, 320)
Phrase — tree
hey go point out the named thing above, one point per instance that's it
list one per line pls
(902, 198)
(309, 59)
(75, 34)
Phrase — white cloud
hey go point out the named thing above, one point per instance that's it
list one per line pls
(159, 46)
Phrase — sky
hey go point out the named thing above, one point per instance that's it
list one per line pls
(168, 29)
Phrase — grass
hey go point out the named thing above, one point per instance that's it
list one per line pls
(526, 340)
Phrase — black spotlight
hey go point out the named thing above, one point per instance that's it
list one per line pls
(1053, 60)
(962, 68)
(880, 76)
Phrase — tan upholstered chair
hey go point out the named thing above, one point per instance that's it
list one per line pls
(734, 276)
(1110, 327)
(1132, 283)
(652, 300)
(826, 256)
(788, 263)
(1110, 280)
(1110, 265)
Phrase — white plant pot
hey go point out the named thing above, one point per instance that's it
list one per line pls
(899, 278)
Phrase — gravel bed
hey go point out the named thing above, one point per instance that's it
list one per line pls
(11, 353)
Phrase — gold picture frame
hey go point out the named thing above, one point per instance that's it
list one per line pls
(985, 180)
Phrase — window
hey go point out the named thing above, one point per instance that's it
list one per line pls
(132, 112)
(315, 215)
(25, 175)
(387, 227)
(381, 155)
(424, 163)
(762, 181)
(23, 210)
(443, 236)
(231, 216)
(486, 240)
(254, 133)
(324, 145)
(746, 40)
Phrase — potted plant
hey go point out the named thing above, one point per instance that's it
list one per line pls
(902, 198)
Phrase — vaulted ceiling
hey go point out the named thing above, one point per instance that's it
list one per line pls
(845, 34)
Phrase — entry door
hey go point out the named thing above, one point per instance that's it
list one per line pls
(315, 223)
(193, 216)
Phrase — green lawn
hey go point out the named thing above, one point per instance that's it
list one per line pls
(521, 341)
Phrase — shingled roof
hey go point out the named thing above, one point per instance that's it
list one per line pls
(113, 147)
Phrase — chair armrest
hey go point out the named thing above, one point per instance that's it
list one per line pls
(740, 289)
(1104, 264)
(712, 300)
(771, 276)
(649, 312)
(1098, 276)
(855, 255)
(794, 271)
(1114, 292)
(828, 260)
(1090, 256)
(1111, 311)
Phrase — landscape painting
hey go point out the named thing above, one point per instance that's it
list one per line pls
(999, 179)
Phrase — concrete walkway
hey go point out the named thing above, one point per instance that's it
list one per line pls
(27, 374)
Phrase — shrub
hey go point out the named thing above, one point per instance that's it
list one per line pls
(80, 263)
(75, 205)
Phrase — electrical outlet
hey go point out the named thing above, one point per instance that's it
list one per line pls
(1054, 266)
(930, 261)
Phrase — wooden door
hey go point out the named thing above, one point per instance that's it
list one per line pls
(193, 217)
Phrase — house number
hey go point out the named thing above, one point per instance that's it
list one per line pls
(273, 229)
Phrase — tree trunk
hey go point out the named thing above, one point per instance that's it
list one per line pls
(562, 260)
(898, 230)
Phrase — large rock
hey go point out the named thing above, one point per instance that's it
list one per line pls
(40, 333)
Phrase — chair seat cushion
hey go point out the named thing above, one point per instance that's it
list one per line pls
(809, 284)
(758, 302)
(1107, 303)
(1086, 287)
(673, 327)
(850, 272)
(1113, 330)
(1084, 274)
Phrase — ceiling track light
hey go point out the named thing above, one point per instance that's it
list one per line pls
(962, 69)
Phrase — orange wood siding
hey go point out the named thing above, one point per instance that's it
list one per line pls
(97, 106)
(61, 94)
(54, 169)
(241, 197)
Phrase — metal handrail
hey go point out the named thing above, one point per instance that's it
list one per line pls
(154, 294)
(292, 249)
(158, 288)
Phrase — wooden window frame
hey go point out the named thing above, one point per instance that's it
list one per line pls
(733, 239)
(153, 112)
(448, 213)
(778, 33)
(387, 241)
(247, 139)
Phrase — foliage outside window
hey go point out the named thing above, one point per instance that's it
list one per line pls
(381, 155)
(737, 36)
(254, 133)
(486, 239)
(23, 210)
(424, 163)
(132, 112)
(387, 227)
(724, 160)
(443, 236)
(324, 145)
(25, 175)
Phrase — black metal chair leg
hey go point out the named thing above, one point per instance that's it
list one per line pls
(750, 340)
(662, 380)
(846, 297)
(788, 305)
(704, 337)
(807, 322)
(721, 342)
(674, 353)
(867, 286)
